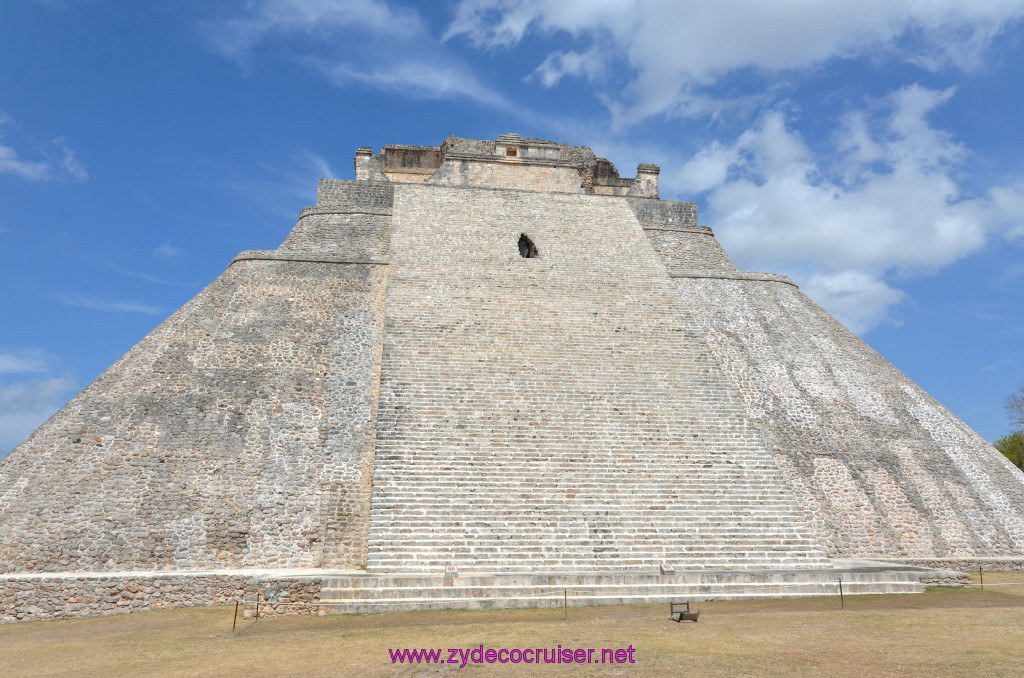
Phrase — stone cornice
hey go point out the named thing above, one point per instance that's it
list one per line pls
(737, 275)
(273, 255)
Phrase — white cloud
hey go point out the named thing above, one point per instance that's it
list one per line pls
(278, 188)
(886, 202)
(111, 305)
(32, 360)
(168, 250)
(676, 51)
(858, 299)
(560, 64)
(999, 365)
(65, 161)
(367, 42)
(61, 161)
(152, 278)
(319, 164)
(24, 406)
(236, 36)
(1007, 203)
(415, 79)
(34, 395)
(9, 161)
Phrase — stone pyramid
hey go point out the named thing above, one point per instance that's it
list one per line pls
(493, 357)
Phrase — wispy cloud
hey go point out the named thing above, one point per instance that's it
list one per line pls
(1012, 274)
(168, 250)
(364, 42)
(60, 161)
(110, 305)
(237, 35)
(65, 160)
(1005, 362)
(26, 360)
(151, 278)
(25, 405)
(11, 163)
(277, 188)
(416, 79)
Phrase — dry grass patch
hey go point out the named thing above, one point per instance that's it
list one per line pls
(944, 632)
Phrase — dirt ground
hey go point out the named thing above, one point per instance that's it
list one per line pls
(944, 632)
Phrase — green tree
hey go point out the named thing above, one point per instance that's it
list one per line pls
(1014, 404)
(1012, 447)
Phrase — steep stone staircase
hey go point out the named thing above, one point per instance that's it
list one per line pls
(493, 511)
(558, 414)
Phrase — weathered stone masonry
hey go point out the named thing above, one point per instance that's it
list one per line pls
(395, 388)
(239, 433)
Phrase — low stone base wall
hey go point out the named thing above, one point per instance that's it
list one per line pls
(945, 578)
(285, 597)
(1009, 564)
(24, 598)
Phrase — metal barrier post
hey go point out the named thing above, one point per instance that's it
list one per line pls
(842, 601)
(235, 620)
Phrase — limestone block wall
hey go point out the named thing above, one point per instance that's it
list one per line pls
(510, 174)
(683, 246)
(664, 213)
(559, 412)
(330, 231)
(884, 468)
(238, 433)
(646, 183)
(364, 197)
(689, 249)
(64, 597)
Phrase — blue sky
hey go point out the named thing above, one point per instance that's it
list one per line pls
(871, 150)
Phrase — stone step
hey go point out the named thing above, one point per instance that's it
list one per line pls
(649, 575)
(623, 564)
(605, 542)
(667, 590)
(598, 493)
(528, 535)
(478, 557)
(578, 510)
(709, 506)
(531, 533)
(667, 521)
(407, 591)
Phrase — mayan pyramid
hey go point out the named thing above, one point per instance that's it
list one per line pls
(486, 359)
